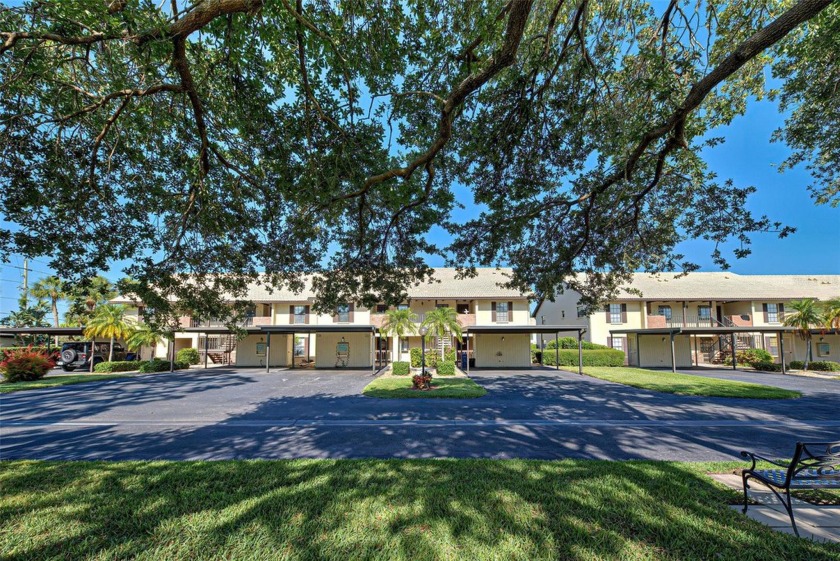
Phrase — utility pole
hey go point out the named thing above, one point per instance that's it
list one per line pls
(25, 295)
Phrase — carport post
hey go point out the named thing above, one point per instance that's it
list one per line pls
(206, 349)
(732, 345)
(782, 351)
(557, 349)
(673, 355)
(373, 348)
(267, 350)
(580, 353)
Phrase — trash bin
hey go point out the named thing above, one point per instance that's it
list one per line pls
(538, 356)
(463, 361)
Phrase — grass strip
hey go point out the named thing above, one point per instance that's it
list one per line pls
(381, 509)
(57, 380)
(401, 387)
(686, 384)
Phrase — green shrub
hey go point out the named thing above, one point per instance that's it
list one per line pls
(767, 366)
(160, 365)
(25, 364)
(753, 356)
(571, 343)
(431, 359)
(400, 369)
(592, 357)
(118, 366)
(446, 368)
(797, 364)
(188, 355)
(416, 357)
(449, 355)
(824, 366)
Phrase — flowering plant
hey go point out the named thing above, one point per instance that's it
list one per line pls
(25, 364)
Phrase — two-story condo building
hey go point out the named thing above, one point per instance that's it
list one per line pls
(284, 330)
(698, 318)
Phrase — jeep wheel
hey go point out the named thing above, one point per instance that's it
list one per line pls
(68, 356)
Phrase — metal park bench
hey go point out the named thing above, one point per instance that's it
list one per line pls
(815, 465)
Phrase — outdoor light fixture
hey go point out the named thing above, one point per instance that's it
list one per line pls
(503, 337)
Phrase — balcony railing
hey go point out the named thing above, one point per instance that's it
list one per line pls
(658, 321)
(378, 319)
(247, 322)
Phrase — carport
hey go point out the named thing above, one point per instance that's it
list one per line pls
(503, 330)
(720, 331)
(318, 330)
(206, 331)
(50, 331)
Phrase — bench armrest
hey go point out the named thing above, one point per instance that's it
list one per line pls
(756, 457)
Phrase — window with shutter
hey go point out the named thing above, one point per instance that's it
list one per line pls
(493, 312)
(615, 313)
(502, 312)
(342, 313)
(772, 313)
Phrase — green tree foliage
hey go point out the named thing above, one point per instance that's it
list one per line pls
(228, 138)
(400, 323)
(806, 315)
(143, 336)
(831, 311)
(109, 321)
(85, 297)
(442, 322)
(50, 289)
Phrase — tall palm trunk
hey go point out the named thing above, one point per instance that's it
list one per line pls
(111, 350)
(808, 353)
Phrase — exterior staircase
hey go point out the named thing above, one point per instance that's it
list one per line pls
(720, 350)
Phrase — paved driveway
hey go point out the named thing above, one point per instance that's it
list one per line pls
(227, 413)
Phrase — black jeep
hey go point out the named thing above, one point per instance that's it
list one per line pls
(75, 354)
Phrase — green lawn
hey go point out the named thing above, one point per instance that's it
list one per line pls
(400, 387)
(686, 384)
(58, 380)
(380, 509)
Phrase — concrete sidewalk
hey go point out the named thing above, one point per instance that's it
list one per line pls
(815, 522)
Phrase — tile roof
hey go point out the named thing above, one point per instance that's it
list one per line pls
(444, 286)
(731, 286)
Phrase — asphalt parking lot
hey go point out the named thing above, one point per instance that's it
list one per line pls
(543, 413)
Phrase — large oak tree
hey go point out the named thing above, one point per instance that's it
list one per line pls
(220, 138)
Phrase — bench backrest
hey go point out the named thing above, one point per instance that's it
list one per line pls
(815, 460)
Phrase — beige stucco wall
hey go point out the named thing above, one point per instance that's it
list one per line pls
(521, 312)
(655, 351)
(515, 350)
(600, 328)
(360, 349)
(758, 311)
(246, 351)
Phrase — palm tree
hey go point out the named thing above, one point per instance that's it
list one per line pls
(143, 336)
(400, 323)
(109, 321)
(85, 299)
(50, 288)
(806, 315)
(442, 321)
(831, 313)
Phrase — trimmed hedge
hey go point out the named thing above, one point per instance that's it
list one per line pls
(416, 357)
(118, 366)
(160, 365)
(571, 343)
(824, 366)
(767, 366)
(753, 357)
(446, 368)
(188, 355)
(592, 357)
(449, 355)
(400, 369)
(816, 365)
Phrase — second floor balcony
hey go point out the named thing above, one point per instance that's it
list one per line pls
(660, 321)
(251, 321)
